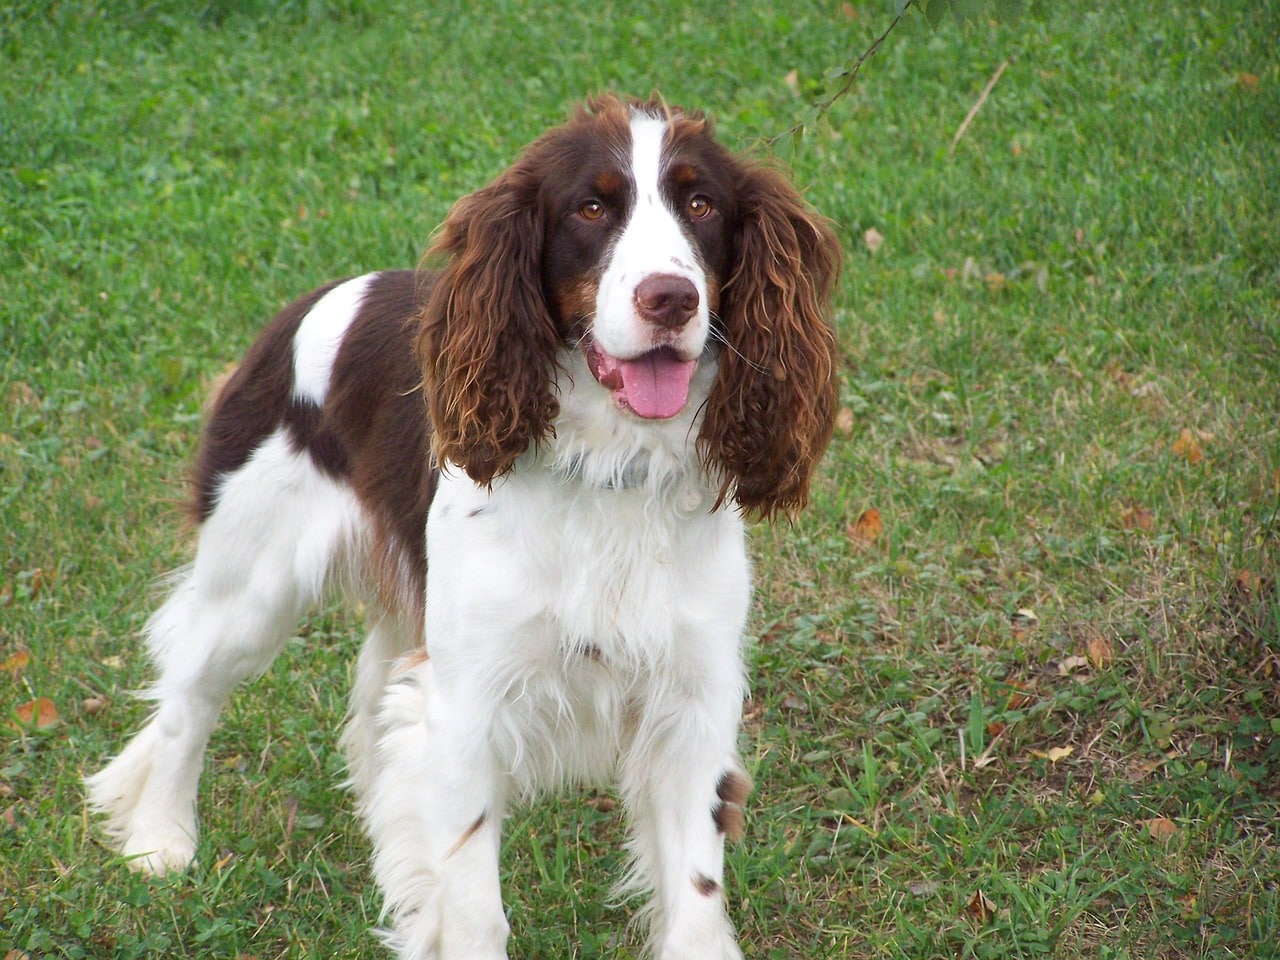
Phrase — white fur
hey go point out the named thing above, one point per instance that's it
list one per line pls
(652, 242)
(583, 617)
(320, 334)
(281, 531)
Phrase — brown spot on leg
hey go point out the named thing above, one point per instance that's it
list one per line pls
(732, 790)
(467, 834)
(705, 885)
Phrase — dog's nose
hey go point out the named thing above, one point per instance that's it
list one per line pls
(667, 300)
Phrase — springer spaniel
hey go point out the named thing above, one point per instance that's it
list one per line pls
(624, 353)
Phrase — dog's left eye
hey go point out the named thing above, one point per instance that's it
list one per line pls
(699, 207)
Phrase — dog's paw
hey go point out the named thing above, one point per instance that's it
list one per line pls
(158, 854)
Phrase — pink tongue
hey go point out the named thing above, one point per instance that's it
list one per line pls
(656, 386)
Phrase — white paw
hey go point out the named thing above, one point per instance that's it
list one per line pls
(155, 855)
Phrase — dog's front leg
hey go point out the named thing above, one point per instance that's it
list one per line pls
(435, 814)
(685, 789)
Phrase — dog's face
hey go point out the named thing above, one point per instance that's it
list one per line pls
(639, 213)
(631, 235)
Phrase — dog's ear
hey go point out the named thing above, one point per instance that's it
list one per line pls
(486, 339)
(772, 407)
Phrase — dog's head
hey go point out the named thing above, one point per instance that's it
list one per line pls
(632, 235)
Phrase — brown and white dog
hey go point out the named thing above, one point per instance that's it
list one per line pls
(532, 467)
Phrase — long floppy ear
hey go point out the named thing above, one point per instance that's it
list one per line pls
(772, 407)
(486, 340)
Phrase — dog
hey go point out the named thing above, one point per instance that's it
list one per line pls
(533, 466)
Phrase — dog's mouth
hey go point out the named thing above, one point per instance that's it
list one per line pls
(654, 385)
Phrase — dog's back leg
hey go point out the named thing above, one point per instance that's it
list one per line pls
(281, 531)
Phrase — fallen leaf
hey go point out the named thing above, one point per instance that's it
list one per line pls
(844, 421)
(1019, 696)
(1160, 828)
(980, 907)
(1187, 446)
(113, 662)
(21, 394)
(1248, 582)
(1100, 652)
(1247, 81)
(40, 712)
(1138, 518)
(16, 661)
(93, 705)
(1054, 754)
(866, 528)
(1023, 622)
(873, 239)
(995, 281)
(792, 80)
(1072, 663)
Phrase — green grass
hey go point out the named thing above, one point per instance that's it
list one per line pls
(1094, 271)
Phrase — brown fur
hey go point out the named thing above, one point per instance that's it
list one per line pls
(487, 338)
(772, 408)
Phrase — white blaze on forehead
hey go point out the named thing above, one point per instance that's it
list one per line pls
(653, 241)
(315, 345)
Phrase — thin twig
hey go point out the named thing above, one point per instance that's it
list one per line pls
(845, 86)
(973, 111)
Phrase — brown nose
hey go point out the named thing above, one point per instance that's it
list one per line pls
(666, 300)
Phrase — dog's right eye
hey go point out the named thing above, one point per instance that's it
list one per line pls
(592, 210)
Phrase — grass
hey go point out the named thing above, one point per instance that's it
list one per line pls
(1034, 713)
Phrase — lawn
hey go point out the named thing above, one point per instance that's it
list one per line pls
(1015, 674)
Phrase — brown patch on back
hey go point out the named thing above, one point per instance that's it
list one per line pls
(375, 432)
(251, 405)
(729, 816)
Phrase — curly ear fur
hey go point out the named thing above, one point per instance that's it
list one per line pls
(486, 339)
(772, 407)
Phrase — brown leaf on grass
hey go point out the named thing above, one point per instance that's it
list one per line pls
(1160, 828)
(1248, 582)
(1023, 622)
(873, 239)
(1138, 518)
(16, 661)
(844, 421)
(1100, 651)
(980, 907)
(792, 81)
(1187, 446)
(40, 712)
(1247, 81)
(93, 705)
(866, 528)
(1019, 696)
(21, 395)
